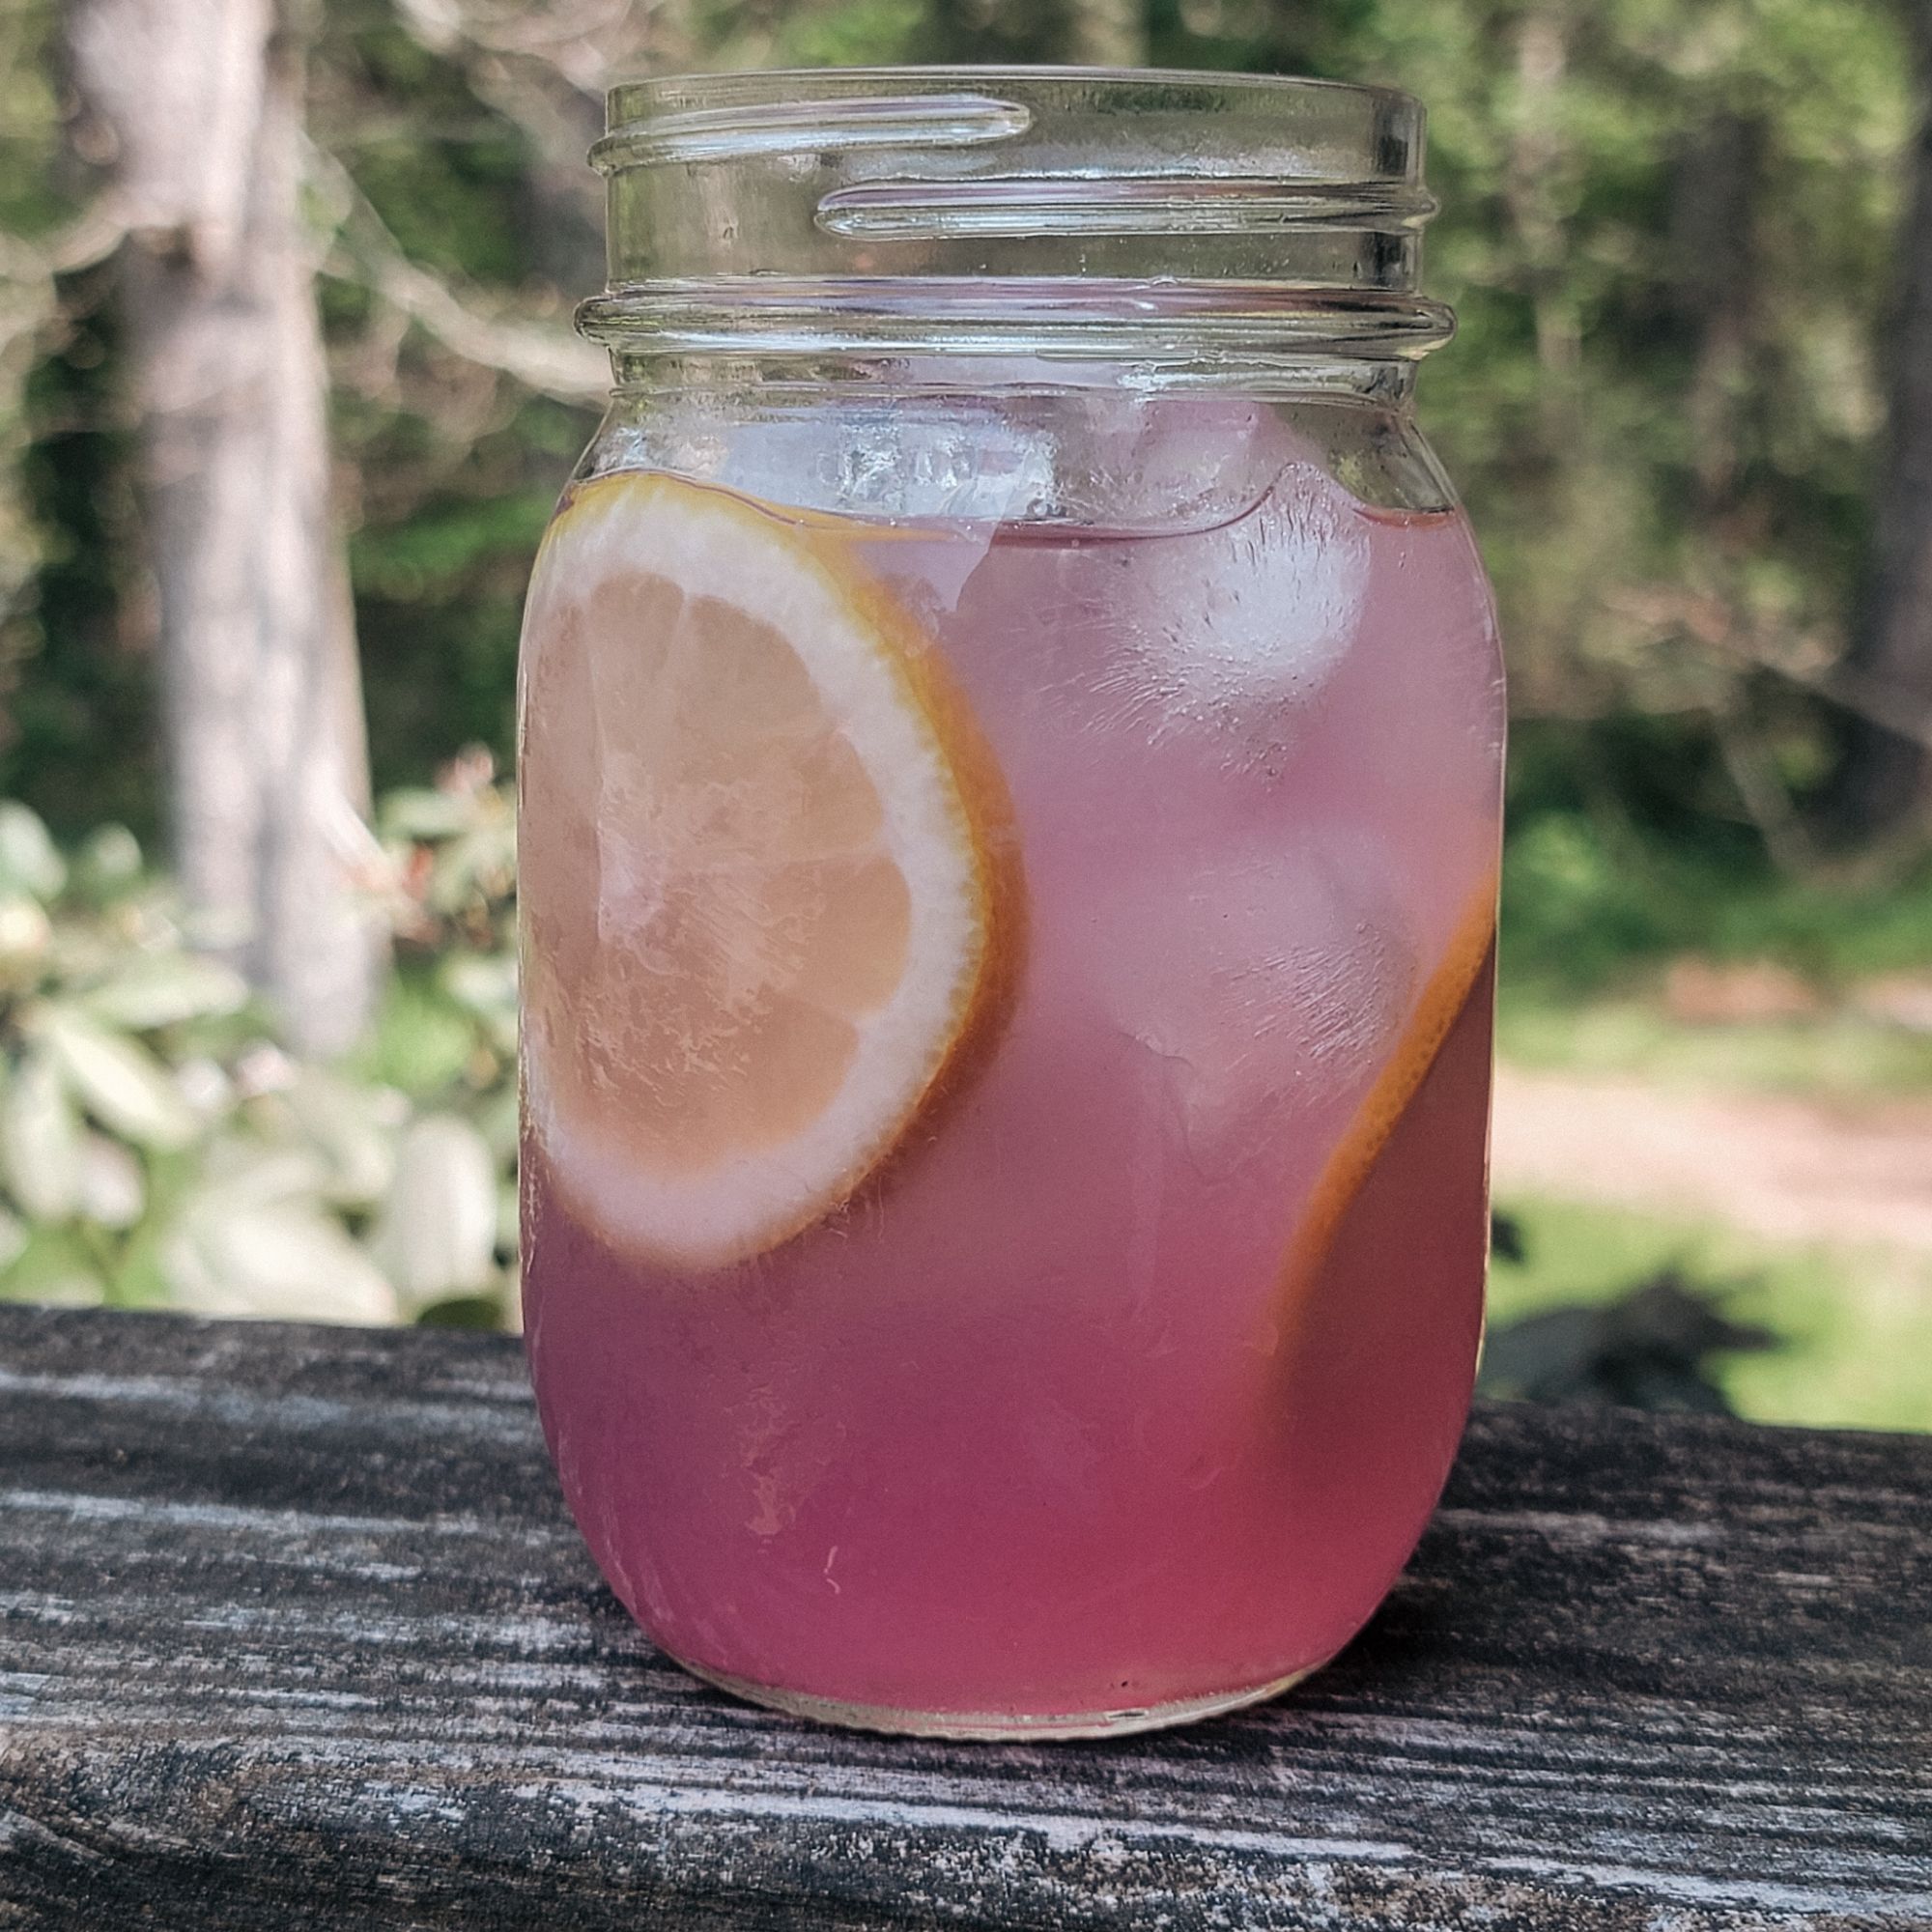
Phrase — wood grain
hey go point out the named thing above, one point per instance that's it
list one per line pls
(295, 1632)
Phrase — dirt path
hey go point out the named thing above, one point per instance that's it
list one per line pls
(1791, 1170)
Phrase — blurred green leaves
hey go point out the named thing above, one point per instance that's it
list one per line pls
(437, 1235)
(40, 1139)
(29, 864)
(165, 989)
(1661, 409)
(115, 1079)
(156, 1145)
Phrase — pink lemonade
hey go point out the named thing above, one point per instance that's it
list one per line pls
(1121, 1388)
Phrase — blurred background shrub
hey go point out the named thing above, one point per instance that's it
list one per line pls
(158, 1148)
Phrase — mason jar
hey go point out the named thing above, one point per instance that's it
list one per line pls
(1011, 735)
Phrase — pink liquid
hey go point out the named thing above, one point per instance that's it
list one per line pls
(1041, 1425)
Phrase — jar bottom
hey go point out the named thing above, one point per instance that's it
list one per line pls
(1001, 1728)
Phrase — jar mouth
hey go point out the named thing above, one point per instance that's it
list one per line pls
(719, 116)
(1038, 182)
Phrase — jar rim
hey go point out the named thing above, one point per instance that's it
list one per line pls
(724, 86)
(1029, 180)
(644, 118)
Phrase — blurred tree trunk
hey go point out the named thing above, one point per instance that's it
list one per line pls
(1717, 193)
(1715, 189)
(1533, 176)
(201, 103)
(1883, 782)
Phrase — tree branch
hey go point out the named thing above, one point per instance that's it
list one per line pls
(1713, 624)
(550, 362)
(1903, 713)
(1762, 794)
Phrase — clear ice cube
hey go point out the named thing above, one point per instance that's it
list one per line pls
(1253, 615)
(1275, 982)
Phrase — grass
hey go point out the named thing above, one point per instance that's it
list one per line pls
(1596, 907)
(1857, 1324)
(1594, 911)
(1836, 1056)
(1616, 863)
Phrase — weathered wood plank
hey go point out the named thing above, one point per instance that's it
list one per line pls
(294, 1632)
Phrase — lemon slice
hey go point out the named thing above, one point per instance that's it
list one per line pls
(1437, 1006)
(759, 843)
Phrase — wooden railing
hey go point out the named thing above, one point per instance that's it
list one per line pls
(295, 1632)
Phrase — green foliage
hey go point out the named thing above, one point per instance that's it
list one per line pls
(29, 118)
(439, 595)
(1617, 861)
(1668, 232)
(157, 1147)
(856, 32)
(448, 182)
(448, 1041)
(80, 699)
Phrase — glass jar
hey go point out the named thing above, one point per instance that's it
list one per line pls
(1011, 728)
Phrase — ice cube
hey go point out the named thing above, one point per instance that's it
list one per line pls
(1276, 983)
(1250, 617)
(1165, 465)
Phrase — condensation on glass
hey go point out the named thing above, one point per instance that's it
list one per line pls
(1011, 728)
